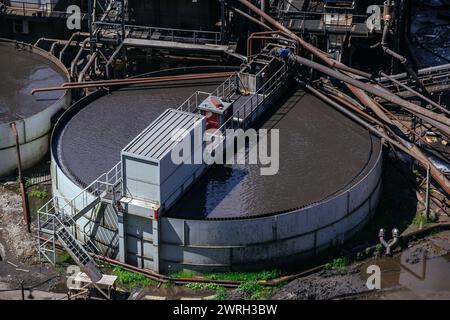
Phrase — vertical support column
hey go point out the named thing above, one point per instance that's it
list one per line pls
(155, 225)
(26, 216)
(123, 36)
(122, 237)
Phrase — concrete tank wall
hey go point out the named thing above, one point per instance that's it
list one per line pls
(34, 131)
(224, 245)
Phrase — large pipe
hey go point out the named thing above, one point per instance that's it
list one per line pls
(408, 148)
(402, 59)
(120, 82)
(443, 122)
(309, 47)
(253, 19)
(358, 91)
(26, 217)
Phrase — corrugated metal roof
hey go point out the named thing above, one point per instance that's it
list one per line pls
(155, 140)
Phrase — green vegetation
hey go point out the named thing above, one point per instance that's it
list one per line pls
(337, 264)
(204, 286)
(131, 279)
(220, 291)
(249, 286)
(38, 193)
(232, 276)
(245, 276)
(422, 220)
(255, 291)
(64, 258)
(378, 250)
(182, 274)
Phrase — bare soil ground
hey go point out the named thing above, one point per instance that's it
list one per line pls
(19, 262)
(13, 232)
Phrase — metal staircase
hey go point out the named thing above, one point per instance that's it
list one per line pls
(57, 220)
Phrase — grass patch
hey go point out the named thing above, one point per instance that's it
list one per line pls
(131, 279)
(337, 264)
(182, 274)
(245, 276)
(232, 276)
(255, 291)
(422, 220)
(220, 291)
(35, 192)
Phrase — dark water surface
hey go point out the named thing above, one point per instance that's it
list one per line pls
(20, 72)
(91, 142)
(321, 152)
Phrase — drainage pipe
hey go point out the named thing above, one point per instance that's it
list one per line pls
(26, 216)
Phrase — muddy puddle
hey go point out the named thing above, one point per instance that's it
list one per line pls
(415, 274)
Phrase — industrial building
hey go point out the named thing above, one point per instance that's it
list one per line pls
(138, 71)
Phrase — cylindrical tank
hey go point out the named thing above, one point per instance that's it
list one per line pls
(22, 68)
(233, 218)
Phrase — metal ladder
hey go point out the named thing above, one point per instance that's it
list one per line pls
(55, 222)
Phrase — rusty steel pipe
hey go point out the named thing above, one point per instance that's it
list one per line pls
(68, 84)
(112, 83)
(408, 148)
(253, 19)
(309, 47)
(26, 216)
(343, 100)
(360, 94)
(443, 122)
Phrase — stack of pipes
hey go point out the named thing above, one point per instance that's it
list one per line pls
(386, 127)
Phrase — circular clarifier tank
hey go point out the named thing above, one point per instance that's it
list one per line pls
(22, 68)
(325, 187)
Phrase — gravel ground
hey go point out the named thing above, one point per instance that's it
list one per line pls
(13, 233)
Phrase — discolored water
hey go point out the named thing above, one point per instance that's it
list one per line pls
(20, 72)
